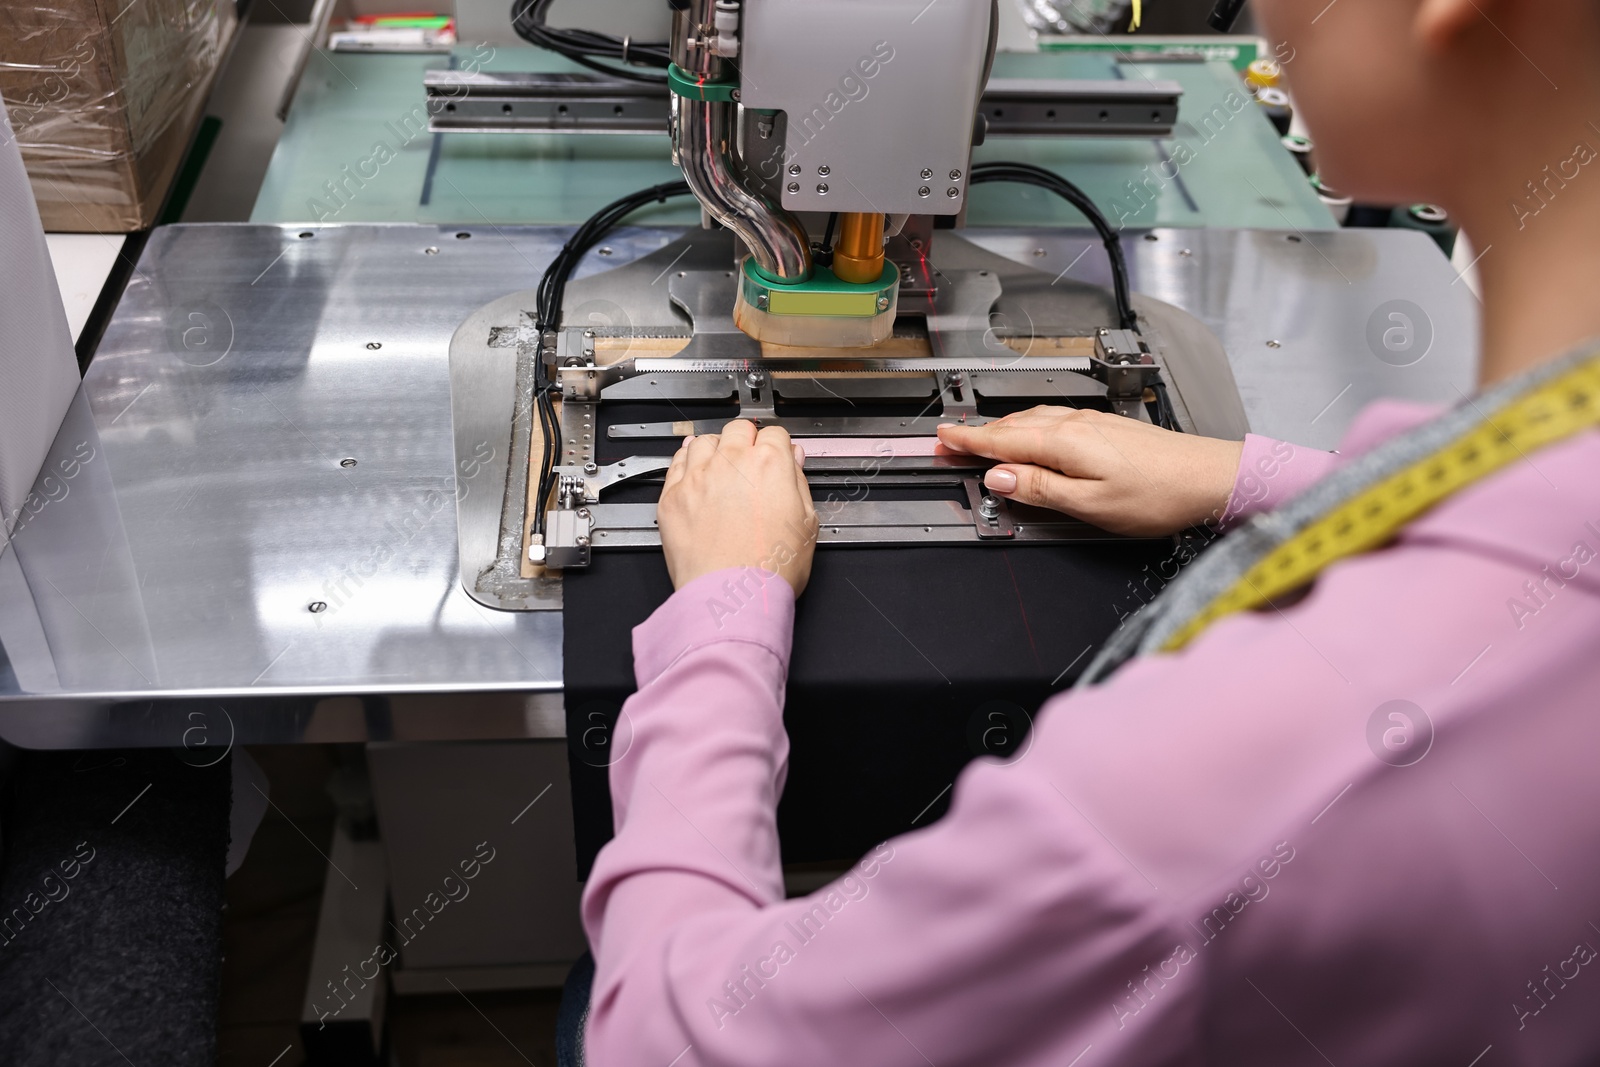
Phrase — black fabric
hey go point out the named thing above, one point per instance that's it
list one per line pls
(111, 909)
(574, 1012)
(908, 662)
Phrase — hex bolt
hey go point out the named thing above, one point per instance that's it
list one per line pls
(590, 468)
(755, 379)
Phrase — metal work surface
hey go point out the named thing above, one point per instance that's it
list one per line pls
(211, 506)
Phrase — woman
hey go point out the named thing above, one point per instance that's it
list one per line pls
(1357, 825)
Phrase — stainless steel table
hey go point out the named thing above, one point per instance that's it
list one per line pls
(247, 525)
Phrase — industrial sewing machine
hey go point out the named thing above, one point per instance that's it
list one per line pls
(829, 144)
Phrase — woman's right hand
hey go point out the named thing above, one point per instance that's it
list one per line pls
(1122, 475)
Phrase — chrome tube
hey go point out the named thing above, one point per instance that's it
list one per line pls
(703, 139)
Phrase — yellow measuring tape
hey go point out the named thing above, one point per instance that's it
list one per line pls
(1552, 412)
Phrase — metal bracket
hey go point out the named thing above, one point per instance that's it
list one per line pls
(567, 534)
(1124, 362)
(990, 514)
(585, 484)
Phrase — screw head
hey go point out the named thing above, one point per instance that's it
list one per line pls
(317, 607)
(761, 300)
(347, 463)
(590, 468)
(794, 187)
(735, 95)
(952, 192)
(926, 173)
(431, 250)
(955, 175)
(883, 303)
(822, 188)
(1274, 344)
(794, 170)
(924, 191)
(374, 345)
(824, 170)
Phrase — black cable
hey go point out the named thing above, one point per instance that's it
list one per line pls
(584, 46)
(823, 252)
(1028, 174)
(547, 316)
(1166, 417)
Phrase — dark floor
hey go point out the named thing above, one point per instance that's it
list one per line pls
(271, 923)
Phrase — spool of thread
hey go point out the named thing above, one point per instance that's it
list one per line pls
(1428, 219)
(1276, 104)
(1301, 149)
(1263, 74)
(1337, 203)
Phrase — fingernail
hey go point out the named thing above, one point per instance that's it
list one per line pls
(686, 440)
(799, 455)
(1000, 480)
(946, 442)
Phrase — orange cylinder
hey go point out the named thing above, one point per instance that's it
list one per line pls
(858, 257)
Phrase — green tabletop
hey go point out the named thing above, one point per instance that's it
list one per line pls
(355, 149)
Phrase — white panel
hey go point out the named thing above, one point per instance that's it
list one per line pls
(38, 369)
(876, 92)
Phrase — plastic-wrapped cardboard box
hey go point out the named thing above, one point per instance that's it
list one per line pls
(103, 96)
